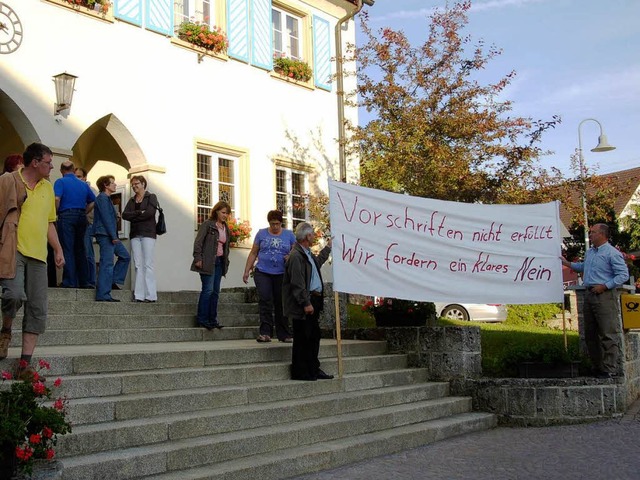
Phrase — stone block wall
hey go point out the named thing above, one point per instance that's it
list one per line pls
(541, 402)
(632, 365)
(453, 354)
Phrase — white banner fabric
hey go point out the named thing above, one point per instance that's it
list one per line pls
(392, 245)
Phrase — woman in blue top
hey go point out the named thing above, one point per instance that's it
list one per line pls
(271, 247)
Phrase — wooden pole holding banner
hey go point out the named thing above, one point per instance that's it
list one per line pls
(336, 300)
(564, 326)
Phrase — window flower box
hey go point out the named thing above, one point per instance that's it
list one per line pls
(293, 69)
(211, 39)
(100, 9)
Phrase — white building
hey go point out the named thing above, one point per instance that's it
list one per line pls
(199, 126)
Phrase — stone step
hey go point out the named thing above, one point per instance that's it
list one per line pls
(110, 384)
(90, 322)
(84, 359)
(231, 455)
(138, 335)
(93, 438)
(299, 460)
(128, 307)
(156, 403)
(72, 294)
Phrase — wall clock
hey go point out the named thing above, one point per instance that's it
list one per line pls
(10, 29)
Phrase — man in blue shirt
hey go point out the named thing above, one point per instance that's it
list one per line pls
(604, 270)
(74, 199)
(302, 300)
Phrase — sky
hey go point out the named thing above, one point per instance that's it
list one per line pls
(578, 59)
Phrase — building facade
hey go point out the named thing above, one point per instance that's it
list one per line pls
(239, 124)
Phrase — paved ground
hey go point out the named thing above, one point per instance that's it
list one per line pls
(606, 450)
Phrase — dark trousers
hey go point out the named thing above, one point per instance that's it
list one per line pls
(269, 288)
(602, 329)
(72, 226)
(306, 343)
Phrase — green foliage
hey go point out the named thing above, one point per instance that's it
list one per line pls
(631, 225)
(292, 68)
(27, 426)
(357, 318)
(504, 346)
(438, 132)
(536, 315)
(502, 351)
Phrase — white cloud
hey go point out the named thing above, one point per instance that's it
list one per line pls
(498, 4)
(622, 86)
(476, 6)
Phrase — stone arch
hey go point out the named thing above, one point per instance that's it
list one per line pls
(107, 139)
(16, 130)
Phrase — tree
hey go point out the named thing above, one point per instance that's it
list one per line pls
(439, 133)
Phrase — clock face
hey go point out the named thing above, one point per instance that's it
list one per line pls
(10, 29)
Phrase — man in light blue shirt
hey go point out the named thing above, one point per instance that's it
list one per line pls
(603, 270)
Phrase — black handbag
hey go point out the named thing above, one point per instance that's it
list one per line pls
(161, 226)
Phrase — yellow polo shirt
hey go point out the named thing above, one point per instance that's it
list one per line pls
(38, 210)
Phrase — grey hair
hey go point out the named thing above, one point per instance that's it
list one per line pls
(302, 230)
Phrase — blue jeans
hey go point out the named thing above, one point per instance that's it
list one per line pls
(91, 258)
(108, 274)
(72, 226)
(208, 301)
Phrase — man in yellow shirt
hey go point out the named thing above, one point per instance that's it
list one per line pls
(35, 226)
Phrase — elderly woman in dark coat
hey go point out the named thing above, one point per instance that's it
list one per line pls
(211, 261)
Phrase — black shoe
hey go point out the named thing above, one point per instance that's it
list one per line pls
(139, 301)
(114, 300)
(323, 376)
(604, 375)
(115, 286)
(218, 326)
(88, 287)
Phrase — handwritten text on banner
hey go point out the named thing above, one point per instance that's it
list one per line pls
(400, 246)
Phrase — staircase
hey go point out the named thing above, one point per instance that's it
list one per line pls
(151, 396)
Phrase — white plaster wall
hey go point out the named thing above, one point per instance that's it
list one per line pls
(167, 100)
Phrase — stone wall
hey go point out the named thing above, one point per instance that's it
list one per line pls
(453, 354)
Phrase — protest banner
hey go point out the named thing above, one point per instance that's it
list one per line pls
(394, 245)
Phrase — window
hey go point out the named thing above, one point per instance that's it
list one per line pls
(216, 180)
(200, 11)
(286, 34)
(291, 196)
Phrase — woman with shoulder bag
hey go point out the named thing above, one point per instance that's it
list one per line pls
(141, 212)
(211, 261)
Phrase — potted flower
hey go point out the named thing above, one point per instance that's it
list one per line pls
(29, 422)
(239, 230)
(199, 34)
(291, 68)
(101, 6)
(395, 312)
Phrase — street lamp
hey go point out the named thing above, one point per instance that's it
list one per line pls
(603, 146)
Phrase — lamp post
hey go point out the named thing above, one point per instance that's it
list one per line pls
(603, 146)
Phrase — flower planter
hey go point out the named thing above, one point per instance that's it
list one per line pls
(8, 461)
(399, 319)
(548, 370)
(43, 470)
